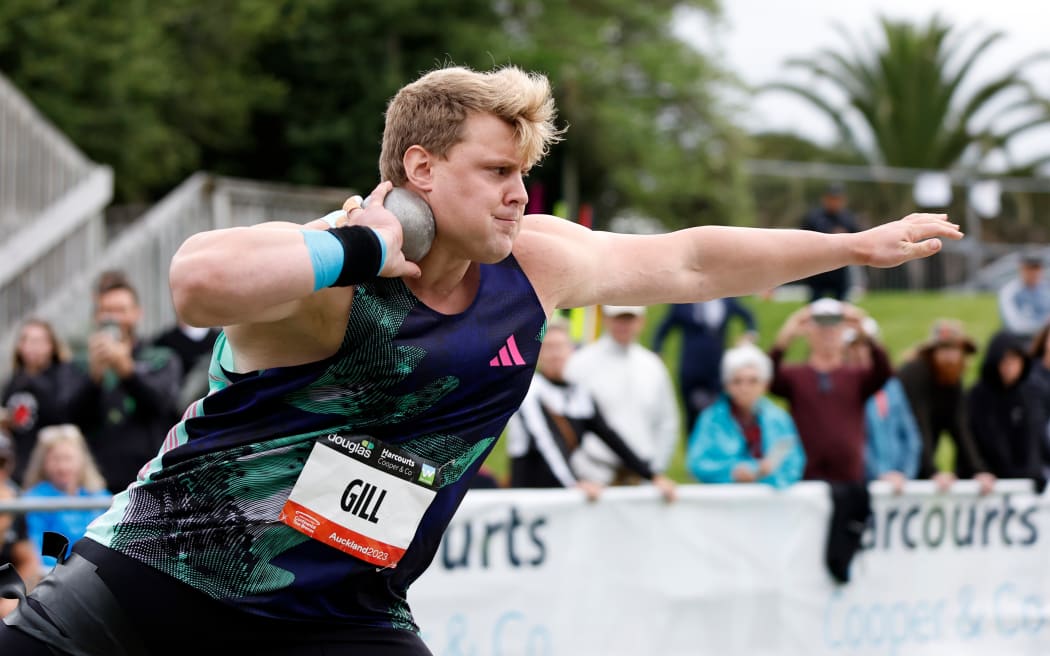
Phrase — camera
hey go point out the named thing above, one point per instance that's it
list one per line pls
(113, 329)
(827, 319)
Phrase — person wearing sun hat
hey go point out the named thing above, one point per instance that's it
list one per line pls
(933, 383)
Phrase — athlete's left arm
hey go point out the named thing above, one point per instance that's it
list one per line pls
(574, 266)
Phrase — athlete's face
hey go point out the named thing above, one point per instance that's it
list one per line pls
(478, 192)
(554, 353)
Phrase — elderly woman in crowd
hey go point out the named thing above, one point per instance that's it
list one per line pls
(745, 437)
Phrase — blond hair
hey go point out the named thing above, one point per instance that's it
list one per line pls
(49, 437)
(431, 111)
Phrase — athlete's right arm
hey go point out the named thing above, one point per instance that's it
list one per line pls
(241, 275)
(263, 273)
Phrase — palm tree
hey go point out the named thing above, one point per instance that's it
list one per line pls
(908, 93)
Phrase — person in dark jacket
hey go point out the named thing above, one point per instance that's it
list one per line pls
(831, 216)
(41, 389)
(933, 383)
(193, 347)
(1039, 375)
(1003, 409)
(703, 327)
(551, 421)
(127, 406)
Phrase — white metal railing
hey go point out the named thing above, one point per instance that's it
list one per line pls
(37, 162)
(52, 199)
(962, 265)
(144, 249)
(49, 253)
(879, 489)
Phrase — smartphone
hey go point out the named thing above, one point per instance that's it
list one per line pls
(113, 329)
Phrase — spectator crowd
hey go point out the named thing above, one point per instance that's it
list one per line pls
(842, 413)
(85, 421)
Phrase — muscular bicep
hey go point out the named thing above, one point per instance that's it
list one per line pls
(573, 266)
(241, 275)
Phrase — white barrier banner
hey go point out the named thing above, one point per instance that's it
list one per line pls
(737, 569)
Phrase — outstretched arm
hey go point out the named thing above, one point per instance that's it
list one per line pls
(575, 266)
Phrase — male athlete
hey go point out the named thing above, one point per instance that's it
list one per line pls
(353, 394)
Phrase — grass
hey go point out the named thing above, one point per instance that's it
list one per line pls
(904, 321)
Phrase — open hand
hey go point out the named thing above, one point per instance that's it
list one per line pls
(913, 237)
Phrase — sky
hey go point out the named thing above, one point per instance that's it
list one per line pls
(757, 36)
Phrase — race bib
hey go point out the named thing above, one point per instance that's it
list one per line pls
(362, 497)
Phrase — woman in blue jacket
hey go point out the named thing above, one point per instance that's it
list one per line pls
(744, 437)
(61, 466)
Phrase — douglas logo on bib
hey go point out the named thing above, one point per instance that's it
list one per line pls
(361, 447)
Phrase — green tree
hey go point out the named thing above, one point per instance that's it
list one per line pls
(295, 90)
(341, 67)
(909, 96)
(142, 85)
(648, 131)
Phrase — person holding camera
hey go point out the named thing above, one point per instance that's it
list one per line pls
(129, 404)
(826, 395)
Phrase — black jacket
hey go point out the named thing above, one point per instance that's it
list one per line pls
(1004, 419)
(33, 402)
(939, 409)
(126, 421)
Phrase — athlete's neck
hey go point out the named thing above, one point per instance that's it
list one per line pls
(446, 289)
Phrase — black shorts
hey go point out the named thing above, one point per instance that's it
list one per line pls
(173, 618)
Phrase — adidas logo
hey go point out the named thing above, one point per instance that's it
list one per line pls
(508, 355)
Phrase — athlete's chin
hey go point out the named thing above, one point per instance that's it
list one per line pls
(496, 250)
(494, 255)
(501, 243)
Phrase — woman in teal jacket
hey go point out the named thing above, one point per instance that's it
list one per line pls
(744, 437)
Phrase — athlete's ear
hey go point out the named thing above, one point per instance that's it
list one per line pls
(418, 162)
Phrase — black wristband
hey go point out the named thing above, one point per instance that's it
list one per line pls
(362, 255)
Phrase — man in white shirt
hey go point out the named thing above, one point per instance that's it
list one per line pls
(1024, 302)
(633, 388)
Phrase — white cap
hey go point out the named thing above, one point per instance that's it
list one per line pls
(615, 310)
(825, 307)
(870, 327)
